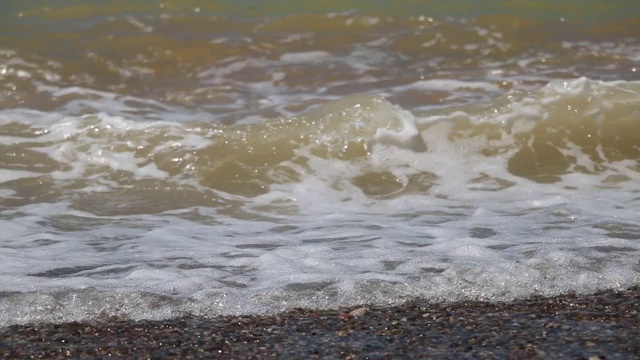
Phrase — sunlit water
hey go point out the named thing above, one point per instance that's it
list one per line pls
(171, 158)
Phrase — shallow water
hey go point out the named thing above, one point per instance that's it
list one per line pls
(168, 158)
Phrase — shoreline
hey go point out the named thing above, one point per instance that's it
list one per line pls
(603, 325)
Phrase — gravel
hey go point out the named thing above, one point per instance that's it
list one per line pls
(605, 325)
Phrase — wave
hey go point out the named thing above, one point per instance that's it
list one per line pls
(356, 201)
(360, 143)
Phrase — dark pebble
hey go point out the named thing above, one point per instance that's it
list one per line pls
(605, 325)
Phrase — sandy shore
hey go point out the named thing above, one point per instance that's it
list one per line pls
(605, 325)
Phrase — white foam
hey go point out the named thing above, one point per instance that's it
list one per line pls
(305, 57)
(453, 85)
(12, 175)
(319, 241)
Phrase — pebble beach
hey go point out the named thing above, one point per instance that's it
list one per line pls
(604, 325)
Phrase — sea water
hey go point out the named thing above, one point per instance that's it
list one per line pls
(168, 158)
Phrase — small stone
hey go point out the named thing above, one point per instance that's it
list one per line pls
(359, 312)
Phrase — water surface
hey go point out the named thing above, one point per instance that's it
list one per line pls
(162, 158)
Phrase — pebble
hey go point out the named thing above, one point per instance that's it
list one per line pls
(478, 330)
(359, 312)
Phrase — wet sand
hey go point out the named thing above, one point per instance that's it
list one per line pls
(605, 325)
